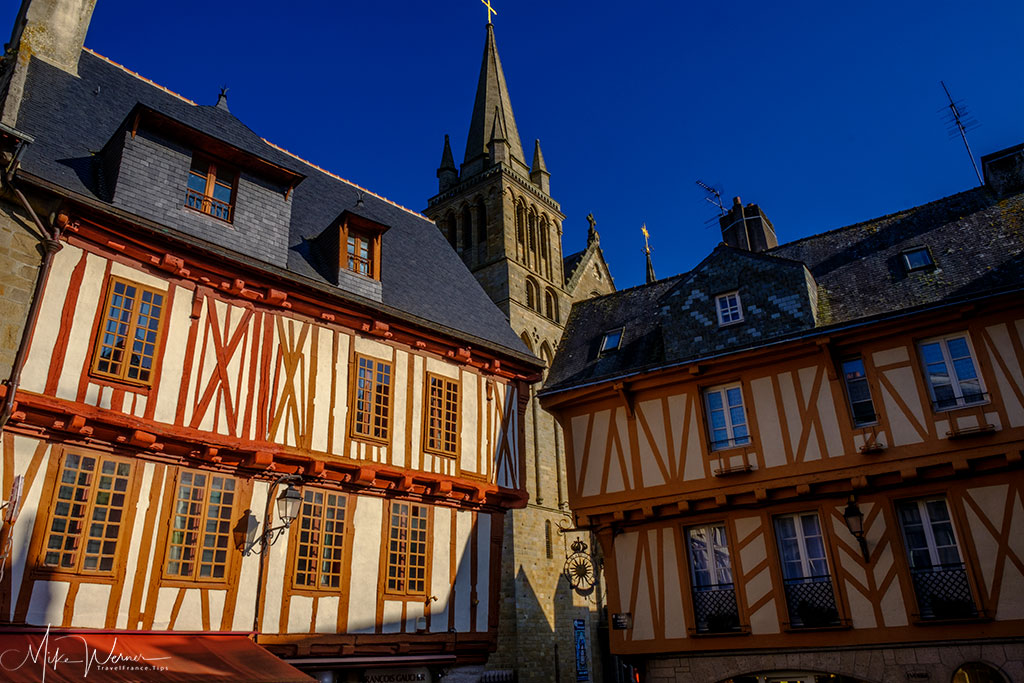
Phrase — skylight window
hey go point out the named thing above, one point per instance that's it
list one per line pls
(917, 258)
(729, 308)
(611, 340)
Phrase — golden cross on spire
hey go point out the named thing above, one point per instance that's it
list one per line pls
(647, 235)
(490, 10)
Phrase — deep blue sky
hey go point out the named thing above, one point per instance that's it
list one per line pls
(823, 113)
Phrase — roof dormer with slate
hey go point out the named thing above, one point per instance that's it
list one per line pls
(734, 298)
(198, 181)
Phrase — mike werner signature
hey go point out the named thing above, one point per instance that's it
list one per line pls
(49, 655)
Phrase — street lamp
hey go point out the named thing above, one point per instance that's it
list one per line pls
(855, 523)
(288, 505)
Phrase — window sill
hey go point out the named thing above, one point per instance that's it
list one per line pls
(441, 454)
(961, 406)
(843, 625)
(730, 471)
(179, 582)
(969, 432)
(73, 576)
(743, 630)
(981, 618)
(405, 598)
(123, 384)
(370, 440)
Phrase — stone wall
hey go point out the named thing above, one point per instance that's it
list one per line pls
(20, 256)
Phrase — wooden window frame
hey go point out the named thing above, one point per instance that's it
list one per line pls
(364, 229)
(849, 396)
(206, 201)
(353, 400)
(346, 547)
(427, 390)
(732, 441)
(194, 578)
(949, 364)
(906, 255)
(615, 334)
(122, 375)
(724, 297)
(386, 528)
(127, 517)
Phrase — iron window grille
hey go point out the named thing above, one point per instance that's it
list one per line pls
(936, 568)
(810, 598)
(714, 597)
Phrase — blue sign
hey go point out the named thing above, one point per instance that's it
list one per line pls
(580, 628)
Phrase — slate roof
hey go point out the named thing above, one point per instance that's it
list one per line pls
(570, 262)
(71, 120)
(976, 241)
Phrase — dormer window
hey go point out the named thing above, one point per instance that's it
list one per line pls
(918, 258)
(360, 248)
(729, 308)
(350, 247)
(211, 188)
(610, 341)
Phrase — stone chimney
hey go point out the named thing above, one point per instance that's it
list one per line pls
(1004, 170)
(746, 227)
(50, 30)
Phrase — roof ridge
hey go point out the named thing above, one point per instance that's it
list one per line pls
(874, 220)
(110, 61)
(344, 180)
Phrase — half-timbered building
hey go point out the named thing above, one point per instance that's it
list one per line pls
(219, 325)
(804, 461)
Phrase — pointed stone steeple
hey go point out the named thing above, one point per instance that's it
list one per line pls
(497, 145)
(491, 94)
(447, 174)
(539, 175)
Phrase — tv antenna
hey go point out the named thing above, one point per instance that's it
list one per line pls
(713, 196)
(960, 121)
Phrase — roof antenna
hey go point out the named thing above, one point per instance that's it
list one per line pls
(959, 121)
(713, 196)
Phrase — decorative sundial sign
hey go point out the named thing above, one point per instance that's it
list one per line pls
(579, 567)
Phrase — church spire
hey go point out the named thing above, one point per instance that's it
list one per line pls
(647, 250)
(447, 174)
(491, 94)
(539, 175)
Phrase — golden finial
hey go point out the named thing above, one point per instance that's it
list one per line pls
(647, 235)
(490, 10)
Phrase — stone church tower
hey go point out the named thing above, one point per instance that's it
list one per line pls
(498, 214)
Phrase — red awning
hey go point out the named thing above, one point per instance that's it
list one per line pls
(76, 656)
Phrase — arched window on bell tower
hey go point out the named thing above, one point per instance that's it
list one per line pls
(531, 240)
(481, 222)
(521, 232)
(551, 304)
(467, 227)
(545, 252)
(531, 295)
